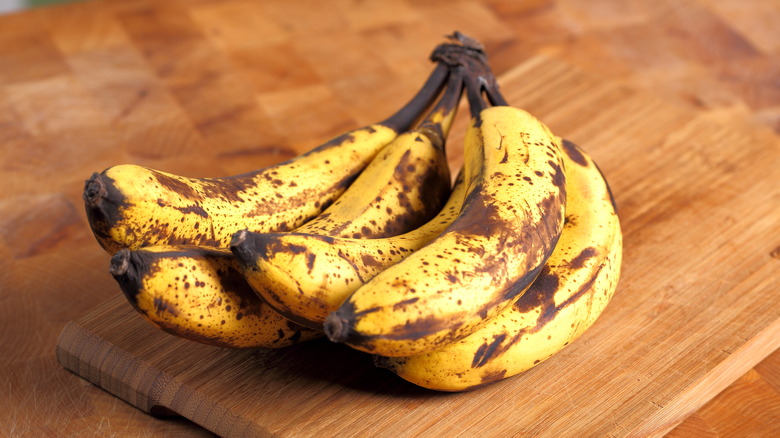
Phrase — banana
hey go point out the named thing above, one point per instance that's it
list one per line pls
(404, 186)
(509, 224)
(306, 276)
(401, 189)
(572, 290)
(199, 294)
(131, 206)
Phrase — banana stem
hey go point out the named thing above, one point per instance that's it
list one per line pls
(404, 118)
(494, 96)
(477, 102)
(438, 122)
(469, 55)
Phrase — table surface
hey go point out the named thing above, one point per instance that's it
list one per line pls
(117, 98)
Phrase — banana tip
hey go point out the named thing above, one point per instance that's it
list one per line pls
(336, 328)
(239, 237)
(120, 263)
(239, 245)
(94, 190)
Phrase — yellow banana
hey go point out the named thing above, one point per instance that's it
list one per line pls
(199, 293)
(130, 206)
(570, 293)
(404, 186)
(306, 276)
(511, 219)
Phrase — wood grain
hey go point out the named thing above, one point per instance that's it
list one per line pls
(675, 335)
(186, 85)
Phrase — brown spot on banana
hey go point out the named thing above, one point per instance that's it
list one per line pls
(488, 378)
(175, 185)
(192, 209)
(486, 351)
(161, 305)
(573, 151)
(579, 261)
(400, 305)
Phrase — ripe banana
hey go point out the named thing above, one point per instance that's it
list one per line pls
(401, 189)
(509, 224)
(570, 293)
(306, 276)
(404, 186)
(130, 206)
(199, 294)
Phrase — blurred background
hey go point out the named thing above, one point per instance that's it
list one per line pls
(17, 5)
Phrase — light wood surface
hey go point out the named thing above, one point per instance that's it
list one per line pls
(213, 88)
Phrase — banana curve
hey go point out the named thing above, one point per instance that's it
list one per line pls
(198, 293)
(404, 186)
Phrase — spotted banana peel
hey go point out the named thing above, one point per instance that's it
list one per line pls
(388, 199)
(198, 293)
(404, 185)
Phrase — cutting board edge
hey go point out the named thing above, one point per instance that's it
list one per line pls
(75, 350)
(720, 377)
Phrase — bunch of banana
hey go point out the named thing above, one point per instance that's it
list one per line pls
(365, 241)
(197, 291)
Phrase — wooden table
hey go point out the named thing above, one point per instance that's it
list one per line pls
(187, 85)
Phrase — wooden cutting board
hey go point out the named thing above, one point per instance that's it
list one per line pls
(697, 306)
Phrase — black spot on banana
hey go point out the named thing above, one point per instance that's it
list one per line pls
(574, 287)
(130, 206)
